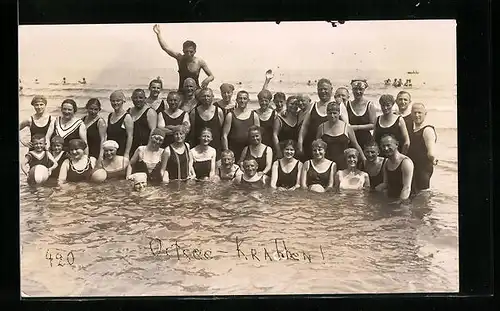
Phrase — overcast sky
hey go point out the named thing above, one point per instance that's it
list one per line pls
(372, 45)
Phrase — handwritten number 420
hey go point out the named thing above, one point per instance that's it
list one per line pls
(70, 258)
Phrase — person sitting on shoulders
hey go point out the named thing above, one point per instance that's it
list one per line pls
(114, 165)
(228, 170)
(148, 159)
(351, 178)
(204, 156)
(79, 166)
(260, 152)
(286, 171)
(374, 164)
(189, 65)
(423, 139)
(177, 159)
(318, 173)
(250, 177)
(398, 171)
(390, 123)
(38, 156)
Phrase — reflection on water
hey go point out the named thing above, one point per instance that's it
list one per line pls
(288, 242)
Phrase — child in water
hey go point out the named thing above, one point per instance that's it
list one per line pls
(204, 156)
(140, 181)
(250, 178)
(227, 169)
(56, 149)
(38, 156)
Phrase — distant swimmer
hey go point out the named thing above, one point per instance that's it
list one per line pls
(309, 82)
(36, 81)
(189, 65)
(83, 81)
(64, 81)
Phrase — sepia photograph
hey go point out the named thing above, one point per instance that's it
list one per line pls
(243, 158)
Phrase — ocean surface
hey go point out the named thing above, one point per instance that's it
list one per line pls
(99, 240)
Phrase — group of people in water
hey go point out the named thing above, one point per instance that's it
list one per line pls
(289, 142)
(398, 82)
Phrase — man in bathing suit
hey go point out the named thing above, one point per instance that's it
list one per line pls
(189, 65)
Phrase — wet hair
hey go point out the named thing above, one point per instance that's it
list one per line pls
(156, 81)
(287, 143)
(265, 94)
(279, 95)
(139, 91)
(402, 93)
(333, 105)
(324, 81)
(93, 101)
(318, 143)
(242, 92)
(37, 136)
(351, 150)
(392, 137)
(227, 152)
(71, 102)
(255, 128)
(371, 143)
(206, 129)
(77, 144)
(188, 44)
(386, 98)
(39, 98)
(57, 140)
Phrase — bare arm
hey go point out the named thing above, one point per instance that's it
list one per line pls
(332, 174)
(212, 164)
(24, 166)
(135, 158)
(407, 170)
(269, 76)
(242, 157)
(366, 184)
(210, 77)
(299, 175)
(303, 175)
(129, 127)
(101, 125)
(321, 130)
(336, 181)
(164, 45)
(372, 114)
(54, 163)
(276, 142)
(383, 185)
(225, 130)
(82, 131)
(163, 167)
(256, 119)
(192, 174)
(63, 172)
(269, 160)
(406, 137)
(221, 116)
(274, 174)
(430, 142)
(161, 122)
(354, 141)
(50, 132)
(344, 116)
(303, 129)
(24, 123)
(152, 119)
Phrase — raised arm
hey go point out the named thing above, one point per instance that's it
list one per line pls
(269, 76)
(225, 130)
(406, 136)
(129, 127)
(163, 44)
(210, 77)
(276, 142)
(430, 138)
(407, 171)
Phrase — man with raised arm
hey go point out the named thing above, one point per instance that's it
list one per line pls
(189, 65)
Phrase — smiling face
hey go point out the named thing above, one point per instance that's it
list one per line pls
(288, 152)
(250, 167)
(227, 160)
(318, 152)
(254, 137)
(264, 102)
(38, 144)
(109, 153)
(116, 101)
(371, 153)
(139, 99)
(418, 114)
(226, 94)
(242, 100)
(173, 101)
(279, 103)
(189, 52)
(358, 91)
(93, 110)
(205, 138)
(76, 153)
(156, 140)
(388, 146)
(403, 100)
(67, 111)
(292, 106)
(179, 136)
(341, 95)
(155, 89)
(189, 87)
(325, 92)
(39, 107)
(352, 159)
(386, 107)
(56, 147)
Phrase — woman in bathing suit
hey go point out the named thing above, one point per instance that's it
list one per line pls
(286, 125)
(318, 173)
(68, 126)
(96, 128)
(286, 171)
(114, 165)
(204, 157)
(391, 124)
(172, 117)
(148, 159)
(178, 161)
(260, 152)
(227, 170)
(362, 113)
(351, 178)
(39, 123)
(79, 166)
(120, 125)
(266, 116)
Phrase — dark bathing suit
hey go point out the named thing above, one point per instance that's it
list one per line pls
(202, 168)
(69, 133)
(117, 133)
(261, 161)
(335, 146)
(184, 73)
(267, 130)
(62, 156)
(93, 138)
(226, 111)
(393, 129)
(32, 160)
(141, 167)
(177, 164)
(379, 178)
(423, 167)
(313, 177)
(219, 172)
(409, 124)
(75, 175)
(237, 137)
(258, 184)
(362, 136)
(288, 132)
(315, 120)
(287, 180)
(394, 181)
(35, 129)
(161, 107)
(171, 121)
(213, 124)
(141, 131)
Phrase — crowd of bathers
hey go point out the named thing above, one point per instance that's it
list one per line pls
(334, 144)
